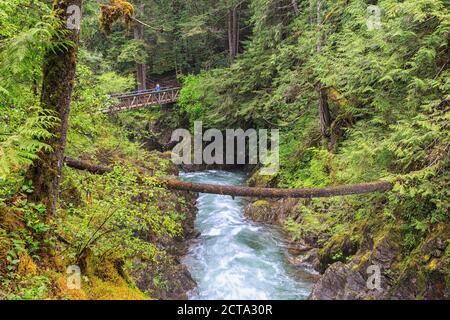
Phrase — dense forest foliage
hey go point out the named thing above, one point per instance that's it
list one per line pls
(354, 102)
(386, 93)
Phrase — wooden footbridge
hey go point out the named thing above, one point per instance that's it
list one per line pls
(142, 99)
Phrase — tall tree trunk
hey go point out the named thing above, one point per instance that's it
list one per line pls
(34, 88)
(235, 31)
(295, 6)
(233, 34)
(141, 69)
(231, 42)
(324, 111)
(34, 82)
(58, 80)
(311, 12)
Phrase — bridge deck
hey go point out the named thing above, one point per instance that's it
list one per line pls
(141, 99)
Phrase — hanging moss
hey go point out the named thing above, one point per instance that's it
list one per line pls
(114, 11)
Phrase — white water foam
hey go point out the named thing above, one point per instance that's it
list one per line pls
(235, 258)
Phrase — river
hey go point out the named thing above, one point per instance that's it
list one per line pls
(235, 258)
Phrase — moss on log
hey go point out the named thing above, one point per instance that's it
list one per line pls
(173, 184)
(86, 166)
(278, 192)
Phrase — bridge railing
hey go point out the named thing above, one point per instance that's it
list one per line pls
(143, 98)
(141, 92)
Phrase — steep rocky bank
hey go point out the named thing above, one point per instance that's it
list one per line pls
(161, 276)
(348, 253)
(168, 278)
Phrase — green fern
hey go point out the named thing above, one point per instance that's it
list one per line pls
(22, 147)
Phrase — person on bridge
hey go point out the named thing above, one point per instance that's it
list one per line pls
(157, 88)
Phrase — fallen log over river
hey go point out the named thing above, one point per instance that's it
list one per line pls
(174, 184)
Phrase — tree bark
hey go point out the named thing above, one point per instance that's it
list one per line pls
(141, 69)
(279, 193)
(86, 166)
(231, 41)
(34, 83)
(58, 81)
(235, 31)
(233, 34)
(295, 6)
(237, 16)
(306, 193)
(324, 110)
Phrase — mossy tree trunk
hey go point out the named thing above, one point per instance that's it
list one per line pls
(58, 81)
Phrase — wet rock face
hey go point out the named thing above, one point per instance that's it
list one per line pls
(273, 212)
(333, 284)
(374, 267)
(366, 262)
(308, 260)
(352, 282)
(167, 278)
(356, 279)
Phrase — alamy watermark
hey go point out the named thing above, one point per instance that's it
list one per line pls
(73, 17)
(374, 279)
(73, 277)
(374, 17)
(231, 147)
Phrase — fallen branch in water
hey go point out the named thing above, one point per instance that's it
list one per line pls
(173, 184)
